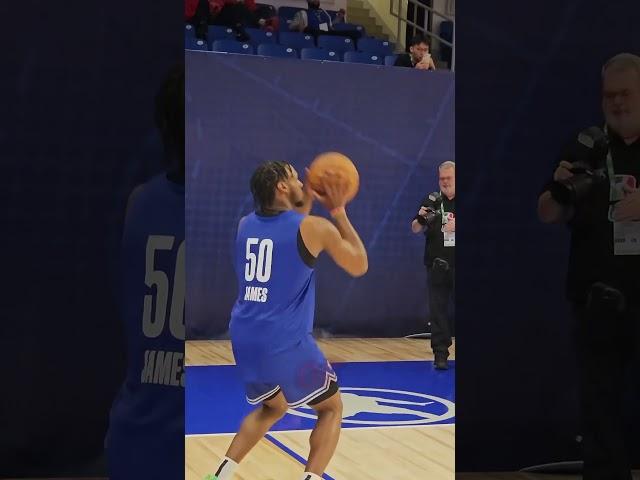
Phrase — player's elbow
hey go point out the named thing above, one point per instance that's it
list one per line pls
(360, 268)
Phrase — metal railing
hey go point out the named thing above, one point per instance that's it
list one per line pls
(396, 10)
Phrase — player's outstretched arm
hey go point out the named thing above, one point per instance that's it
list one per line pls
(339, 239)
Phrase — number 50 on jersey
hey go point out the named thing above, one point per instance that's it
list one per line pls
(259, 255)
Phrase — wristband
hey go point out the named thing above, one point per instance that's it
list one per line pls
(337, 211)
(421, 220)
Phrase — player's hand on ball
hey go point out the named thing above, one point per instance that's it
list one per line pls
(336, 189)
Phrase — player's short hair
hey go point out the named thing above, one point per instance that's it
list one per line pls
(264, 181)
(622, 61)
(418, 39)
(169, 117)
(447, 164)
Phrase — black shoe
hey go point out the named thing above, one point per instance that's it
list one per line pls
(440, 361)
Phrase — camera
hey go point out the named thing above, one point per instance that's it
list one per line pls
(588, 159)
(432, 203)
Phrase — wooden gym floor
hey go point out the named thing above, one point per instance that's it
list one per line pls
(395, 452)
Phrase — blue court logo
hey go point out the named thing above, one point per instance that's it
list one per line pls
(379, 406)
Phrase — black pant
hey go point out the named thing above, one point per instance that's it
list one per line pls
(442, 284)
(607, 345)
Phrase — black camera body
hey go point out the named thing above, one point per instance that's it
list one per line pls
(433, 204)
(588, 158)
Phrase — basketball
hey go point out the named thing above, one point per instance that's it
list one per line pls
(336, 162)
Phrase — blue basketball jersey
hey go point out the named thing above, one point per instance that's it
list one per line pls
(276, 292)
(146, 428)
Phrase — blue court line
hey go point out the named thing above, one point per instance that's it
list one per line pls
(291, 453)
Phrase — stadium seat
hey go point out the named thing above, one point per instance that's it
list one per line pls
(336, 44)
(231, 46)
(273, 50)
(341, 27)
(375, 46)
(296, 40)
(189, 31)
(195, 44)
(360, 57)
(258, 36)
(390, 60)
(218, 32)
(319, 54)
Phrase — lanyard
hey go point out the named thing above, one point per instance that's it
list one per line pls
(442, 216)
(610, 171)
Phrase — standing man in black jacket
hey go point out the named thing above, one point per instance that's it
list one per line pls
(437, 220)
(595, 193)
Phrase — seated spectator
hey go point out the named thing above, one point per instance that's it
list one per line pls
(418, 56)
(266, 18)
(196, 12)
(317, 21)
(236, 14)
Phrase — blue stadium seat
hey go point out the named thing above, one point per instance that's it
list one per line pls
(296, 40)
(375, 46)
(390, 60)
(194, 43)
(319, 54)
(273, 50)
(360, 57)
(231, 46)
(218, 32)
(286, 14)
(258, 36)
(337, 44)
(341, 27)
(189, 31)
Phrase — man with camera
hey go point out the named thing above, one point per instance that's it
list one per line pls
(437, 220)
(595, 192)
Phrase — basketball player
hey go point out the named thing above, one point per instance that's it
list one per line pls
(272, 320)
(146, 428)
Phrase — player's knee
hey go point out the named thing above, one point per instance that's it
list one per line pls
(276, 410)
(332, 405)
(338, 404)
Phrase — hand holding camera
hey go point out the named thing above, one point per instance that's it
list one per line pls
(574, 180)
(563, 172)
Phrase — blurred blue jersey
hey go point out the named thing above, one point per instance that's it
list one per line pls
(146, 430)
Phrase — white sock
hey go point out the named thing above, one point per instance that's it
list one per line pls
(310, 476)
(226, 469)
